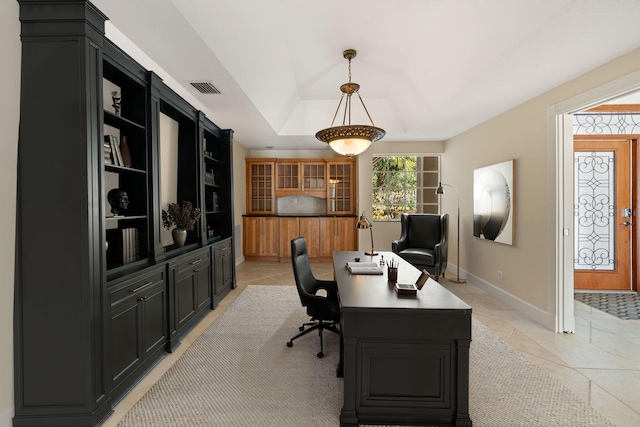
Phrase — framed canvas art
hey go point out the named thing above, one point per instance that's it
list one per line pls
(493, 202)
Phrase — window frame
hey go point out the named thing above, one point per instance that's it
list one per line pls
(420, 205)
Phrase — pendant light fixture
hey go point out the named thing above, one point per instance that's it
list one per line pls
(350, 140)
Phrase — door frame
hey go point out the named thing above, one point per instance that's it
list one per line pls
(560, 183)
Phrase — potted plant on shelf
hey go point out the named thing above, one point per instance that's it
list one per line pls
(181, 216)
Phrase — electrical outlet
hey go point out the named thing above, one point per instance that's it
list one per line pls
(499, 276)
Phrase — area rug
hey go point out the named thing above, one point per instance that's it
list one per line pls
(240, 372)
(624, 306)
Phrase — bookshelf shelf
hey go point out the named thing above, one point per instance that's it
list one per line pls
(125, 217)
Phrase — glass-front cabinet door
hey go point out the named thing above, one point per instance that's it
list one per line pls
(260, 186)
(341, 190)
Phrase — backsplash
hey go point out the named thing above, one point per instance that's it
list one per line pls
(301, 205)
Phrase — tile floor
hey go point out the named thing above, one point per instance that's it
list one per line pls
(600, 362)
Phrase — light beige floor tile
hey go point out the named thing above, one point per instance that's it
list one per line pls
(621, 384)
(498, 327)
(578, 353)
(616, 411)
(524, 344)
(628, 348)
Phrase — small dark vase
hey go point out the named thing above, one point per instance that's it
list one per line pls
(179, 237)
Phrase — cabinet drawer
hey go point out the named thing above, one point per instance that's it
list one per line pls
(223, 248)
(121, 292)
(195, 262)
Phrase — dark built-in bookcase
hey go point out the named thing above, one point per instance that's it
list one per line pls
(101, 297)
(217, 194)
(126, 234)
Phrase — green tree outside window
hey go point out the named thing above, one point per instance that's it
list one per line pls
(403, 184)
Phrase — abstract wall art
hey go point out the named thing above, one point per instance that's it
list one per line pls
(493, 202)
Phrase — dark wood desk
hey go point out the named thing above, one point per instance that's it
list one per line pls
(405, 360)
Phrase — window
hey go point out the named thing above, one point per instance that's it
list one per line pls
(404, 184)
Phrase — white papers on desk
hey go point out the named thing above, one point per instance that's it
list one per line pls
(364, 268)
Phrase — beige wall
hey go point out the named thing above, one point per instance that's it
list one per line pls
(240, 152)
(521, 133)
(9, 120)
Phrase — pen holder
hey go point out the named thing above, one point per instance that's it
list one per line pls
(392, 273)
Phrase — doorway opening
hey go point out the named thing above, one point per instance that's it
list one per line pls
(604, 194)
(561, 137)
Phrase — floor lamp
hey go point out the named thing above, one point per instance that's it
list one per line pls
(440, 190)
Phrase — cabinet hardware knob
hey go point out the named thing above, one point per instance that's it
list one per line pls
(142, 299)
(196, 270)
(139, 288)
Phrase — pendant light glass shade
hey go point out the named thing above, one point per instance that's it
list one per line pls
(350, 140)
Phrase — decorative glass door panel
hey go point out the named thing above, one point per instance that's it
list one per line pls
(594, 210)
(602, 213)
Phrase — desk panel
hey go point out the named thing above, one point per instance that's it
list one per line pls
(405, 359)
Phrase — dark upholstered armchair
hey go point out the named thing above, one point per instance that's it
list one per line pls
(424, 242)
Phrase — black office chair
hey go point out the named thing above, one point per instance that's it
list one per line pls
(324, 311)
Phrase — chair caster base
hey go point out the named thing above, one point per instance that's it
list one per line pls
(301, 328)
(320, 355)
(290, 344)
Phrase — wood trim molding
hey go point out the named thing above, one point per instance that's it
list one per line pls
(615, 108)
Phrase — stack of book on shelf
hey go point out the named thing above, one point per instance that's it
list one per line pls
(108, 154)
(124, 245)
(209, 178)
(364, 268)
(112, 146)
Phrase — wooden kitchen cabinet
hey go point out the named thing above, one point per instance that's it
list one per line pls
(292, 227)
(260, 186)
(337, 234)
(300, 177)
(260, 238)
(341, 193)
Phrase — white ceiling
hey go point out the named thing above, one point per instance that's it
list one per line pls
(428, 69)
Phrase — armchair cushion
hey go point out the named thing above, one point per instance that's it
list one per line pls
(419, 256)
(423, 241)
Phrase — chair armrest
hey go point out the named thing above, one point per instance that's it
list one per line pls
(402, 243)
(328, 285)
(398, 245)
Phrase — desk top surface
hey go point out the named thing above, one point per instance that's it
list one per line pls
(359, 291)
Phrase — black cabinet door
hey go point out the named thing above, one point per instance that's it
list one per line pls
(154, 325)
(136, 323)
(202, 273)
(185, 298)
(223, 269)
(124, 347)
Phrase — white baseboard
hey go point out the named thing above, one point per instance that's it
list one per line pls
(6, 417)
(532, 312)
(239, 260)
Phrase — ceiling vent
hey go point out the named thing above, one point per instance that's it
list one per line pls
(205, 87)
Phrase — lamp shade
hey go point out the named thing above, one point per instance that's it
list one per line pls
(349, 147)
(363, 222)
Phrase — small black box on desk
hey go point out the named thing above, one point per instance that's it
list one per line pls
(411, 289)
